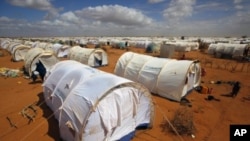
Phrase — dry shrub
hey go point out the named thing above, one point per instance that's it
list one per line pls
(182, 122)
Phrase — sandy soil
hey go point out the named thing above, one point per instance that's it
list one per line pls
(211, 118)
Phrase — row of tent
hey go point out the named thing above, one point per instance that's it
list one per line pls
(18, 49)
(93, 57)
(166, 49)
(161, 75)
(45, 58)
(93, 105)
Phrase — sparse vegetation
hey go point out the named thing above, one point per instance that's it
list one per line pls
(182, 122)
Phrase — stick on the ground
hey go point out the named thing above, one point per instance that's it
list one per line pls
(11, 123)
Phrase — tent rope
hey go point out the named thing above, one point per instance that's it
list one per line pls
(50, 116)
(19, 121)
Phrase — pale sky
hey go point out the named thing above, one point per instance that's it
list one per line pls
(44, 18)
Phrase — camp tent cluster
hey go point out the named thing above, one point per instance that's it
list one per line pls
(59, 50)
(169, 78)
(89, 56)
(17, 50)
(88, 109)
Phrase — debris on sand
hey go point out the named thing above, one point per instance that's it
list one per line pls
(7, 72)
(11, 123)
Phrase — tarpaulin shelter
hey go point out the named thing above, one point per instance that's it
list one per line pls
(92, 105)
(39, 57)
(89, 56)
(19, 52)
(228, 49)
(169, 78)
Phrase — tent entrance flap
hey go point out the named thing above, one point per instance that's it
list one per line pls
(98, 58)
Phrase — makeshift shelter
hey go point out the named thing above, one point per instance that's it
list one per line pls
(11, 47)
(211, 49)
(37, 58)
(89, 56)
(167, 50)
(63, 51)
(89, 110)
(222, 50)
(239, 51)
(19, 52)
(169, 78)
(5, 43)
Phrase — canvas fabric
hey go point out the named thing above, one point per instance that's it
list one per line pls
(20, 52)
(88, 56)
(165, 77)
(97, 105)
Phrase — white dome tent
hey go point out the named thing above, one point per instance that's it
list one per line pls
(38, 57)
(19, 52)
(5, 43)
(221, 50)
(86, 111)
(169, 78)
(55, 47)
(12, 45)
(63, 51)
(89, 56)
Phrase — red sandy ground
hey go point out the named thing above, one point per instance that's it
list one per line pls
(211, 118)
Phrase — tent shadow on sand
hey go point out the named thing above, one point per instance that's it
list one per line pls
(53, 128)
(226, 95)
(36, 82)
(183, 102)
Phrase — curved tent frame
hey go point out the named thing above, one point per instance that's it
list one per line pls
(19, 52)
(228, 49)
(5, 43)
(12, 46)
(169, 78)
(86, 111)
